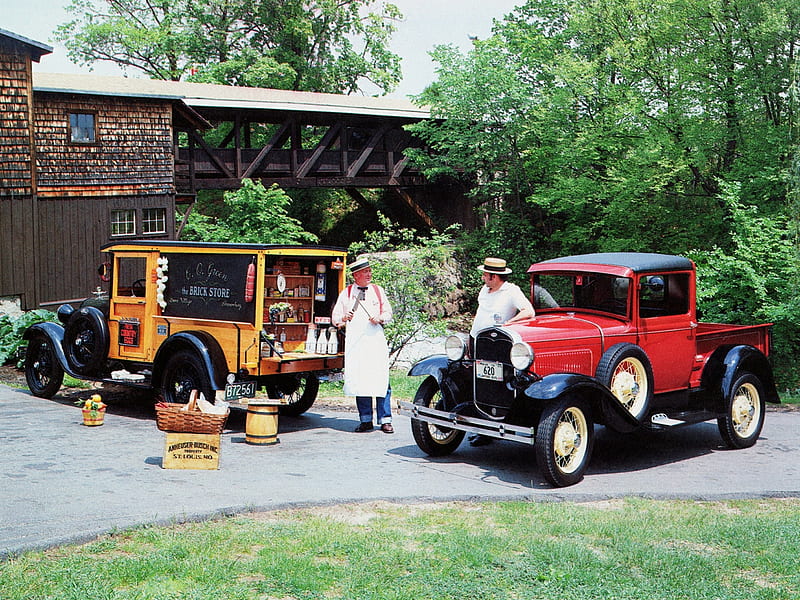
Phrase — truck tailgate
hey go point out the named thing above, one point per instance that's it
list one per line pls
(710, 336)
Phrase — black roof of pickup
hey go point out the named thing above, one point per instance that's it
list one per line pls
(636, 261)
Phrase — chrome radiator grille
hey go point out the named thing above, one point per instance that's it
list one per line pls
(494, 397)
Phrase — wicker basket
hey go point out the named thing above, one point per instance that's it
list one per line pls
(172, 417)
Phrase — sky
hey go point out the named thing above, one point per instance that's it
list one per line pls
(427, 23)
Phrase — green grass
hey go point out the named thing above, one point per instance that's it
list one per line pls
(625, 549)
(403, 386)
(71, 382)
(790, 397)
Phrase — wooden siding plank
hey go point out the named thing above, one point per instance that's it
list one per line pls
(133, 153)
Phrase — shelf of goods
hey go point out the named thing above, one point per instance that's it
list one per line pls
(292, 323)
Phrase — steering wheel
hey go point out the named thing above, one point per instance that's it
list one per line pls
(138, 289)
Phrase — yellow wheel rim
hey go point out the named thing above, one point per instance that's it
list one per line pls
(569, 440)
(629, 384)
(746, 410)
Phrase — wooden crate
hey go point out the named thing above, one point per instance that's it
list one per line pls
(191, 451)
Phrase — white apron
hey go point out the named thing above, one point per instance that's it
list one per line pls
(366, 356)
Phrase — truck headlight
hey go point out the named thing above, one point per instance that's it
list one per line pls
(521, 356)
(454, 347)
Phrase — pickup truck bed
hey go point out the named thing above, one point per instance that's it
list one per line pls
(712, 335)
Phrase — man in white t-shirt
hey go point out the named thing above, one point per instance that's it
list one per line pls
(499, 303)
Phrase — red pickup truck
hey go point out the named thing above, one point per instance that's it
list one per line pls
(615, 342)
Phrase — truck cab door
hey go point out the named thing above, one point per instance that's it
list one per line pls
(667, 331)
(132, 293)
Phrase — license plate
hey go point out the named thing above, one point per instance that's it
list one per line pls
(242, 389)
(487, 369)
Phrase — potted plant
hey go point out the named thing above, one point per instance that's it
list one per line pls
(277, 312)
(94, 410)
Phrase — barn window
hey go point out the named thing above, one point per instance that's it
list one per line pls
(81, 128)
(123, 222)
(154, 220)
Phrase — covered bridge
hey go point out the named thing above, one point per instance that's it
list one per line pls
(90, 159)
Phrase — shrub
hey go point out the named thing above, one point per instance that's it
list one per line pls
(409, 268)
(754, 280)
(11, 330)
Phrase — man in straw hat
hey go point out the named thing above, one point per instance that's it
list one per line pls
(499, 302)
(364, 309)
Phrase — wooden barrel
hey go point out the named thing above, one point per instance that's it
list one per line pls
(261, 427)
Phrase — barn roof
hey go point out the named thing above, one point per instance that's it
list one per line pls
(205, 96)
(35, 49)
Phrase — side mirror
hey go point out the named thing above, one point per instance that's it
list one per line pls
(655, 283)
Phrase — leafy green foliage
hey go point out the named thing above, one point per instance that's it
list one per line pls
(754, 281)
(623, 125)
(311, 45)
(410, 269)
(252, 214)
(615, 120)
(11, 330)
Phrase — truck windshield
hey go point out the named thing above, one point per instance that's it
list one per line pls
(588, 291)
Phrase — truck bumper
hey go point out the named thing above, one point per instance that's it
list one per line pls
(449, 420)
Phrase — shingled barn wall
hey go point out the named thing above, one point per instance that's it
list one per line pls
(130, 166)
(132, 155)
(15, 131)
(16, 176)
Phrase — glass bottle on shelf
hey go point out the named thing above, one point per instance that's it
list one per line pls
(333, 341)
(322, 342)
(311, 340)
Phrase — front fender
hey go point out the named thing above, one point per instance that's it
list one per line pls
(454, 378)
(204, 345)
(725, 366)
(55, 333)
(607, 408)
(434, 365)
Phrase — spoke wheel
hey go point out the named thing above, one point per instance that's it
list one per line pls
(741, 424)
(43, 372)
(432, 439)
(564, 441)
(86, 340)
(183, 373)
(299, 391)
(625, 370)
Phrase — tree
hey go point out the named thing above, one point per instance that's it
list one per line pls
(251, 214)
(755, 280)
(621, 117)
(331, 46)
(633, 125)
(410, 269)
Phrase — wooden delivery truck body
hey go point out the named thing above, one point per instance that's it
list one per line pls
(221, 318)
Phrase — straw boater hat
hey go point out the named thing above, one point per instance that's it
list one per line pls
(494, 265)
(362, 262)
